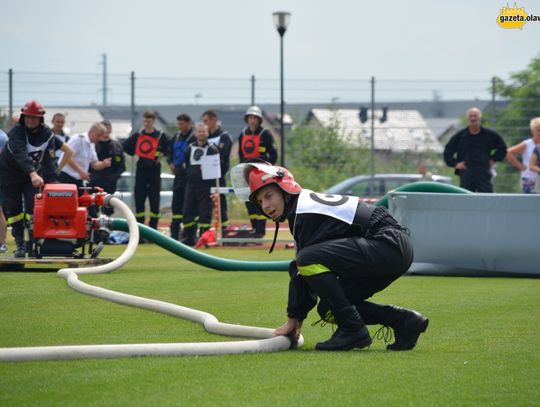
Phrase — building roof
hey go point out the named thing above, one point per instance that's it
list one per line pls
(404, 130)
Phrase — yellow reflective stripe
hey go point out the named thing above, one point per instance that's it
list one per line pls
(140, 214)
(204, 225)
(225, 223)
(261, 217)
(189, 224)
(178, 216)
(254, 216)
(155, 215)
(262, 149)
(16, 218)
(27, 216)
(312, 269)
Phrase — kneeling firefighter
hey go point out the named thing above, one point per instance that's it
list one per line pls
(346, 252)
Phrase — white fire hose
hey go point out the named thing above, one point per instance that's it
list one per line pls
(264, 339)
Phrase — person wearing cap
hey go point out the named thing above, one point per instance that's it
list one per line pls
(26, 164)
(256, 143)
(346, 251)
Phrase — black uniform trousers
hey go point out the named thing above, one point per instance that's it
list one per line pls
(197, 210)
(223, 204)
(177, 205)
(362, 265)
(65, 178)
(476, 179)
(147, 185)
(258, 220)
(15, 213)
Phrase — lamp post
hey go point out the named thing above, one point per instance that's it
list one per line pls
(281, 21)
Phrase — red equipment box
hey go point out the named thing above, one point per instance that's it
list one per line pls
(57, 214)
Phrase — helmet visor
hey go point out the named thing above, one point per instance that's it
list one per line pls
(240, 177)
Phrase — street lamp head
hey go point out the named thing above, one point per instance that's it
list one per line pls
(281, 21)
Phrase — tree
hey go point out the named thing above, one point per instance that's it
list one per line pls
(523, 94)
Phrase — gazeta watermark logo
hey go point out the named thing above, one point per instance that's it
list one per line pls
(515, 17)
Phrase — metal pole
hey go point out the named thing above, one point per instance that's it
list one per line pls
(493, 94)
(104, 79)
(10, 76)
(133, 122)
(282, 126)
(372, 165)
(252, 90)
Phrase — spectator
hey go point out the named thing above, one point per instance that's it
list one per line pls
(3, 224)
(107, 178)
(58, 121)
(176, 159)
(525, 149)
(149, 145)
(534, 165)
(197, 200)
(256, 143)
(26, 164)
(84, 156)
(425, 173)
(473, 151)
(223, 141)
(346, 251)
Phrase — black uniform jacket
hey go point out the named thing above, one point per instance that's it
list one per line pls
(193, 171)
(15, 162)
(475, 149)
(267, 146)
(224, 146)
(109, 149)
(144, 163)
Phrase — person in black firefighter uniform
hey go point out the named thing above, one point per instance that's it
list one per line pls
(256, 143)
(346, 252)
(176, 159)
(149, 145)
(197, 199)
(222, 139)
(107, 178)
(26, 163)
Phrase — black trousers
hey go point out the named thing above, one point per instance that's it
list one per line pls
(363, 265)
(476, 179)
(147, 185)
(16, 210)
(223, 204)
(257, 219)
(197, 209)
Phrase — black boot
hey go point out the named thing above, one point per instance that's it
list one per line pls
(189, 236)
(20, 251)
(407, 326)
(175, 229)
(351, 332)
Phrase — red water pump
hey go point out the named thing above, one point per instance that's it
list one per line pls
(61, 222)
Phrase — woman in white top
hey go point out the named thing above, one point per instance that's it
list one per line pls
(526, 148)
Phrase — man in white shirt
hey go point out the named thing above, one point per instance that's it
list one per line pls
(84, 157)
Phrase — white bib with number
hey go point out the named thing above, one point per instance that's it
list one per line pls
(341, 207)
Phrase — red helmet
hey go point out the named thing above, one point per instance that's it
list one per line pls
(248, 178)
(282, 177)
(33, 108)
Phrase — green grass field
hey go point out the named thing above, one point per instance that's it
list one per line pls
(482, 347)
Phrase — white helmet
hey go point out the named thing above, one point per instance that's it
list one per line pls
(253, 111)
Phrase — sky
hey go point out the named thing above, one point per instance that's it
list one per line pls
(338, 39)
